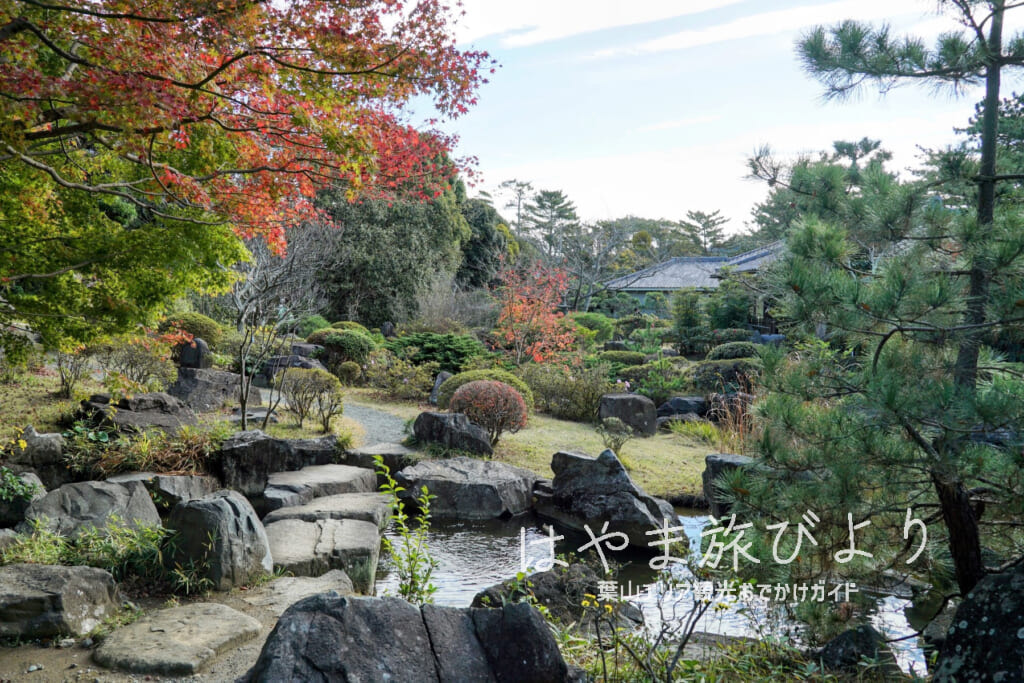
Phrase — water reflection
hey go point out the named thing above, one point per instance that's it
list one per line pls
(476, 555)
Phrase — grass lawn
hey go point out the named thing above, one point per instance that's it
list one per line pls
(32, 400)
(663, 465)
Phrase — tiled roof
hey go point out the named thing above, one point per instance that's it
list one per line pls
(698, 272)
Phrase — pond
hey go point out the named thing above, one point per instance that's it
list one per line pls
(476, 555)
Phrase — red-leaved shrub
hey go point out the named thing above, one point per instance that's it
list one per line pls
(495, 406)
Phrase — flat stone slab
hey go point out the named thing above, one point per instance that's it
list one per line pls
(366, 507)
(285, 489)
(280, 594)
(39, 601)
(314, 548)
(176, 641)
(395, 455)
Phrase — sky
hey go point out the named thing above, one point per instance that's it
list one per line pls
(652, 107)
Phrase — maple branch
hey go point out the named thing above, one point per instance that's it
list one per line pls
(16, 25)
(56, 273)
(132, 15)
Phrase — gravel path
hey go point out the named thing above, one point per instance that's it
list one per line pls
(378, 425)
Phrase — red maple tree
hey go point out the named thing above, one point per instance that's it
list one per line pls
(234, 110)
(530, 324)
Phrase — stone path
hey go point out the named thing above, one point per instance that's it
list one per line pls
(377, 425)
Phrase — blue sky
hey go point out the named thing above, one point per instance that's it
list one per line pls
(651, 107)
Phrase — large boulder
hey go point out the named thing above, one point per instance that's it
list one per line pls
(452, 430)
(177, 641)
(442, 377)
(167, 490)
(223, 537)
(846, 651)
(194, 354)
(592, 491)
(349, 639)
(679, 405)
(634, 410)
(986, 639)
(467, 488)
(73, 508)
(13, 511)
(39, 601)
(42, 454)
(204, 390)
(249, 458)
(306, 350)
(157, 410)
(275, 364)
(715, 465)
(314, 548)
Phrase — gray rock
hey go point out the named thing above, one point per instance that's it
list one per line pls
(39, 601)
(8, 537)
(314, 548)
(986, 639)
(634, 410)
(684, 404)
(388, 330)
(42, 454)
(177, 641)
(365, 507)
(221, 534)
(249, 458)
(72, 508)
(845, 651)
(441, 378)
(275, 364)
(306, 350)
(396, 456)
(280, 594)
(285, 489)
(452, 430)
(467, 488)
(715, 466)
(12, 512)
(205, 390)
(334, 638)
(592, 491)
(195, 354)
(168, 490)
(144, 411)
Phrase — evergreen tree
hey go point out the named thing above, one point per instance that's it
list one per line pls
(704, 229)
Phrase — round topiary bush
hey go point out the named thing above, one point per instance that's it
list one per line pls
(452, 384)
(725, 376)
(196, 324)
(733, 350)
(310, 324)
(495, 406)
(349, 372)
(349, 345)
(320, 336)
(622, 357)
(724, 335)
(601, 324)
(350, 325)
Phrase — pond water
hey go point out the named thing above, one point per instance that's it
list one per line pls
(476, 555)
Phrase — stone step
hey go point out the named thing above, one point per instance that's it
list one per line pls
(298, 487)
(176, 641)
(280, 594)
(365, 507)
(396, 456)
(314, 548)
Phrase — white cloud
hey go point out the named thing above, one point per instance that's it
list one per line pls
(766, 23)
(531, 22)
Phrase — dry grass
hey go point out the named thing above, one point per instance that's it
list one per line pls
(32, 400)
(663, 465)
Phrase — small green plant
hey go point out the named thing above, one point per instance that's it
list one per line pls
(615, 433)
(398, 378)
(733, 350)
(697, 430)
(409, 551)
(14, 488)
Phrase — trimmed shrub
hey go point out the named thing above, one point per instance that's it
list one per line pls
(733, 350)
(602, 325)
(320, 336)
(568, 393)
(398, 378)
(622, 357)
(350, 325)
(450, 351)
(725, 376)
(347, 345)
(196, 324)
(639, 373)
(349, 372)
(730, 334)
(495, 406)
(452, 384)
(304, 390)
(629, 324)
(310, 324)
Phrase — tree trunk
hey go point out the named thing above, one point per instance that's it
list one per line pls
(962, 525)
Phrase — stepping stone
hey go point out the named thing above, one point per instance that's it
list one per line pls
(280, 594)
(396, 456)
(176, 641)
(314, 548)
(285, 489)
(367, 507)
